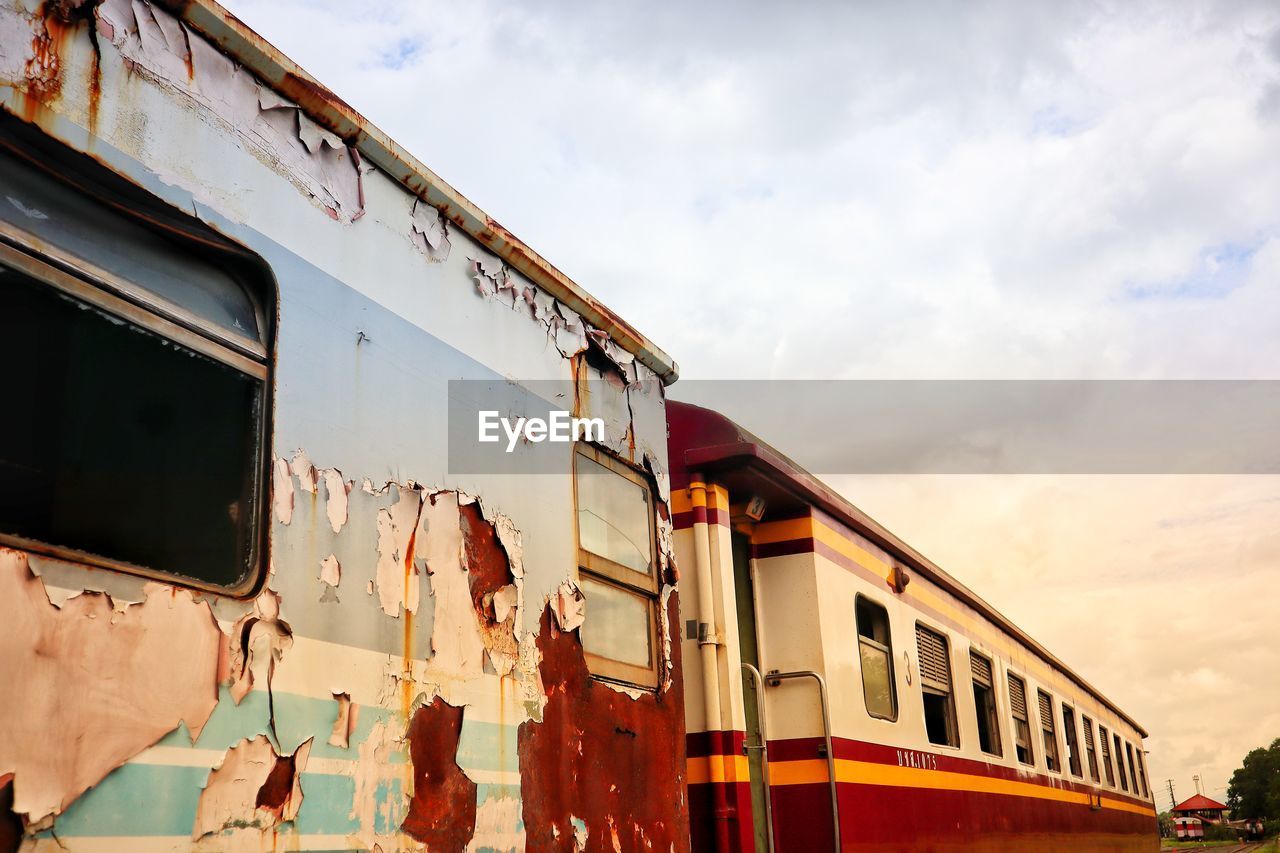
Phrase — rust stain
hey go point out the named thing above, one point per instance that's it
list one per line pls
(487, 572)
(10, 823)
(442, 813)
(591, 733)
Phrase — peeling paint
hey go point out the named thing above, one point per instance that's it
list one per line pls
(336, 491)
(256, 645)
(345, 724)
(331, 571)
(429, 231)
(160, 657)
(162, 48)
(569, 607)
(252, 791)
(282, 490)
(397, 573)
(442, 811)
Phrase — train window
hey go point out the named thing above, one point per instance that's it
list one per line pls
(875, 651)
(1051, 760)
(984, 702)
(141, 339)
(1142, 773)
(1133, 772)
(1124, 786)
(1104, 742)
(1021, 721)
(1090, 753)
(1069, 735)
(617, 568)
(935, 684)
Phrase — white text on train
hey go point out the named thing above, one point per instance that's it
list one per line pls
(560, 426)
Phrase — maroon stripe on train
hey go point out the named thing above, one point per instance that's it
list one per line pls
(738, 813)
(854, 750)
(884, 818)
(700, 515)
(699, 744)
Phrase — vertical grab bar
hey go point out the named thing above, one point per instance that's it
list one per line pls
(774, 678)
(758, 680)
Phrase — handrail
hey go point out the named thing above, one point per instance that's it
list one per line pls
(773, 679)
(764, 750)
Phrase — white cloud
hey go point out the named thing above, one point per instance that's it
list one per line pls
(857, 190)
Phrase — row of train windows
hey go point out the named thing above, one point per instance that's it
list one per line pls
(937, 688)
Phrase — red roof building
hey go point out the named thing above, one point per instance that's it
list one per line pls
(1202, 807)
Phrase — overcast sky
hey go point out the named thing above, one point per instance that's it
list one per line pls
(964, 191)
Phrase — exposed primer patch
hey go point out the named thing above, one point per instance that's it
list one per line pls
(158, 659)
(456, 645)
(566, 328)
(429, 231)
(160, 47)
(250, 793)
(498, 828)
(336, 491)
(568, 607)
(282, 490)
(331, 571)
(256, 645)
(345, 724)
(381, 764)
(396, 574)
(308, 477)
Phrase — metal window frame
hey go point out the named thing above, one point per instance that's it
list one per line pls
(1071, 739)
(100, 289)
(624, 578)
(887, 650)
(1050, 730)
(1021, 680)
(1107, 765)
(1119, 750)
(953, 725)
(993, 709)
(1090, 749)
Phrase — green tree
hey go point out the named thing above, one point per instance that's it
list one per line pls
(1255, 787)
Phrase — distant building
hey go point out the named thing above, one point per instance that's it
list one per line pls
(1202, 807)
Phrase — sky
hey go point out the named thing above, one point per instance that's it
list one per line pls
(895, 191)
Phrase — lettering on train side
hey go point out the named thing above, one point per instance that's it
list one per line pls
(559, 427)
(918, 760)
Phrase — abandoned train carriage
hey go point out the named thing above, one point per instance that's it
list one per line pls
(899, 710)
(246, 602)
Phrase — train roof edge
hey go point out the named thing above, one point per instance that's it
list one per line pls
(711, 442)
(325, 108)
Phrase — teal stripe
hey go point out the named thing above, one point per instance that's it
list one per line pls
(137, 799)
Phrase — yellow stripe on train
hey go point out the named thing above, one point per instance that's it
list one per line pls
(810, 771)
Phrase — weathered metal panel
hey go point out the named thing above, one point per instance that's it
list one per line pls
(397, 681)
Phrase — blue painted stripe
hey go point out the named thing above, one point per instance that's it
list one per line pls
(137, 799)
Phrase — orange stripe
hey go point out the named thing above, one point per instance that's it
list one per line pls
(717, 768)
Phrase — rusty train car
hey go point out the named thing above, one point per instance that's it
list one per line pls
(843, 692)
(250, 601)
(246, 602)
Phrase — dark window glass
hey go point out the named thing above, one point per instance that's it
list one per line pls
(1051, 760)
(1124, 786)
(1089, 750)
(1021, 722)
(1105, 744)
(126, 445)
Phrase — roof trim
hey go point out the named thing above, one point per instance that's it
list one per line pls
(787, 474)
(325, 108)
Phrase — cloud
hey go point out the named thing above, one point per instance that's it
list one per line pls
(836, 190)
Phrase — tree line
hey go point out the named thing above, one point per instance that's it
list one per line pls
(1254, 791)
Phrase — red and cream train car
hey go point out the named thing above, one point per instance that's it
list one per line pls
(900, 710)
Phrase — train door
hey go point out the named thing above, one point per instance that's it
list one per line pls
(754, 742)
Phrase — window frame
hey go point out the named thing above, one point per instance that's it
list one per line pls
(1011, 677)
(1090, 748)
(607, 572)
(1119, 749)
(1108, 765)
(887, 650)
(993, 712)
(1071, 739)
(953, 726)
(1049, 733)
(87, 283)
(1133, 770)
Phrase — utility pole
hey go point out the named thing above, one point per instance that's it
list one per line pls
(1173, 801)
